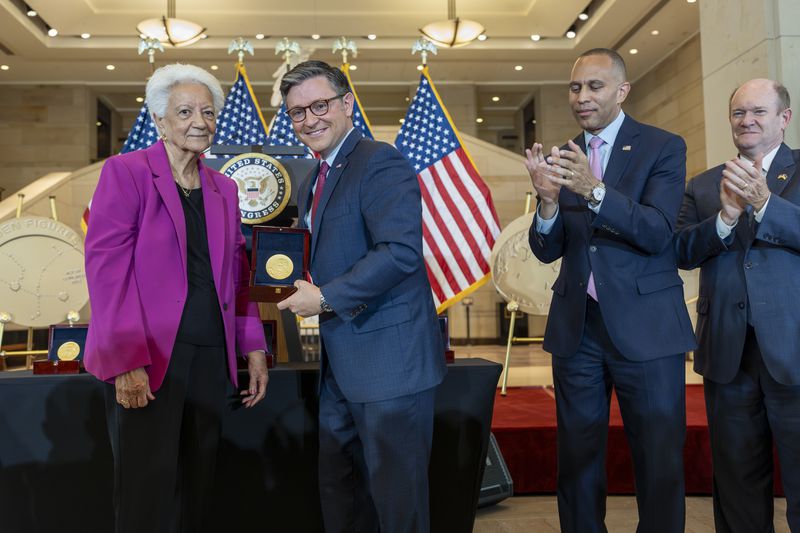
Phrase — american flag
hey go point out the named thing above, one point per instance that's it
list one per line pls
(459, 223)
(282, 134)
(240, 121)
(360, 119)
(142, 134)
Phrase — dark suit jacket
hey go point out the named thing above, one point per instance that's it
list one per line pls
(382, 340)
(758, 268)
(628, 248)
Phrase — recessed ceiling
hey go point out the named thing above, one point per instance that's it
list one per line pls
(386, 68)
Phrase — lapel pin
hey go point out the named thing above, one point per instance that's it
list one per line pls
(626, 148)
(783, 177)
(339, 165)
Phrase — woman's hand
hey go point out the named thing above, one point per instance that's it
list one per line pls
(133, 389)
(257, 368)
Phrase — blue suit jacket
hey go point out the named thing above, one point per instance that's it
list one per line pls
(628, 248)
(758, 268)
(382, 340)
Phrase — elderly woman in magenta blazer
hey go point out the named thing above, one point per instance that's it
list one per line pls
(167, 274)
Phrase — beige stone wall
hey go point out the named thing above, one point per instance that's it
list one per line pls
(43, 129)
(671, 97)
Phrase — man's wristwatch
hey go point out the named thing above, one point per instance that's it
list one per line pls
(324, 306)
(596, 195)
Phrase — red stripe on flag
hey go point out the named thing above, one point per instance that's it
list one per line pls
(438, 292)
(437, 253)
(459, 216)
(453, 246)
(463, 256)
(482, 187)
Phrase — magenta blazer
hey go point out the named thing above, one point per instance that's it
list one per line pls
(136, 266)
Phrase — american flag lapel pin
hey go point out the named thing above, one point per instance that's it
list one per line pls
(783, 177)
(626, 148)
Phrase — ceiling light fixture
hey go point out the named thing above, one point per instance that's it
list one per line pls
(4, 67)
(110, 67)
(139, 99)
(571, 34)
(316, 36)
(32, 13)
(52, 32)
(536, 37)
(353, 67)
(583, 16)
(518, 67)
(214, 67)
(170, 30)
(85, 35)
(482, 37)
(691, 1)
(419, 67)
(260, 36)
(633, 51)
(495, 98)
(372, 36)
(453, 32)
(479, 120)
(654, 32)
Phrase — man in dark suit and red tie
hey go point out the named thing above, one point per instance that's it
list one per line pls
(740, 224)
(382, 352)
(617, 319)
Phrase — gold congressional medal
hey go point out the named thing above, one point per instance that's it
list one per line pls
(69, 351)
(279, 266)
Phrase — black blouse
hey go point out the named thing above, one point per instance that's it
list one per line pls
(201, 323)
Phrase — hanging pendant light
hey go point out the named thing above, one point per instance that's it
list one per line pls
(170, 30)
(453, 32)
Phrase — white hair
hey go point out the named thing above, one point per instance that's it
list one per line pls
(165, 78)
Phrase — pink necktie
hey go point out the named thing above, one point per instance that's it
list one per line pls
(323, 171)
(596, 166)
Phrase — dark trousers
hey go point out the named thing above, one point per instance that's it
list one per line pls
(165, 453)
(652, 400)
(745, 417)
(373, 461)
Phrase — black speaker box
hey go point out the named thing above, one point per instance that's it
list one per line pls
(497, 484)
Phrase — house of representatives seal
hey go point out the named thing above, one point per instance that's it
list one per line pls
(264, 186)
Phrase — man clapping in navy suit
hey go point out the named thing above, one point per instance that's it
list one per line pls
(617, 318)
(740, 223)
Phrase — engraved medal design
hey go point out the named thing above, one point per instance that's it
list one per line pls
(279, 266)
(68, 351)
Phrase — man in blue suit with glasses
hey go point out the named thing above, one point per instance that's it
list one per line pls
(382, 352)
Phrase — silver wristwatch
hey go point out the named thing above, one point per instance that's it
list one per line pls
(597, 194)
(324, 306)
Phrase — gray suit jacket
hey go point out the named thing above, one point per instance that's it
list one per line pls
(755, 273)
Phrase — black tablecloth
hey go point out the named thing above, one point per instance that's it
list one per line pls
(56, 466)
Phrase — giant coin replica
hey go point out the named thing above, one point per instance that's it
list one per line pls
(42, 276)
(522, 280)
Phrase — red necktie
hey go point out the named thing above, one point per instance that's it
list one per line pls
(596, 166)
(323, 171)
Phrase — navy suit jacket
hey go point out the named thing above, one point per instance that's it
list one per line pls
(757, 268)
(628, 247)
(382, 340)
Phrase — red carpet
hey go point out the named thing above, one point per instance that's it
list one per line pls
(524, 425)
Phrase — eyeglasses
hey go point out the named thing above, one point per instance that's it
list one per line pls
(318, 108)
